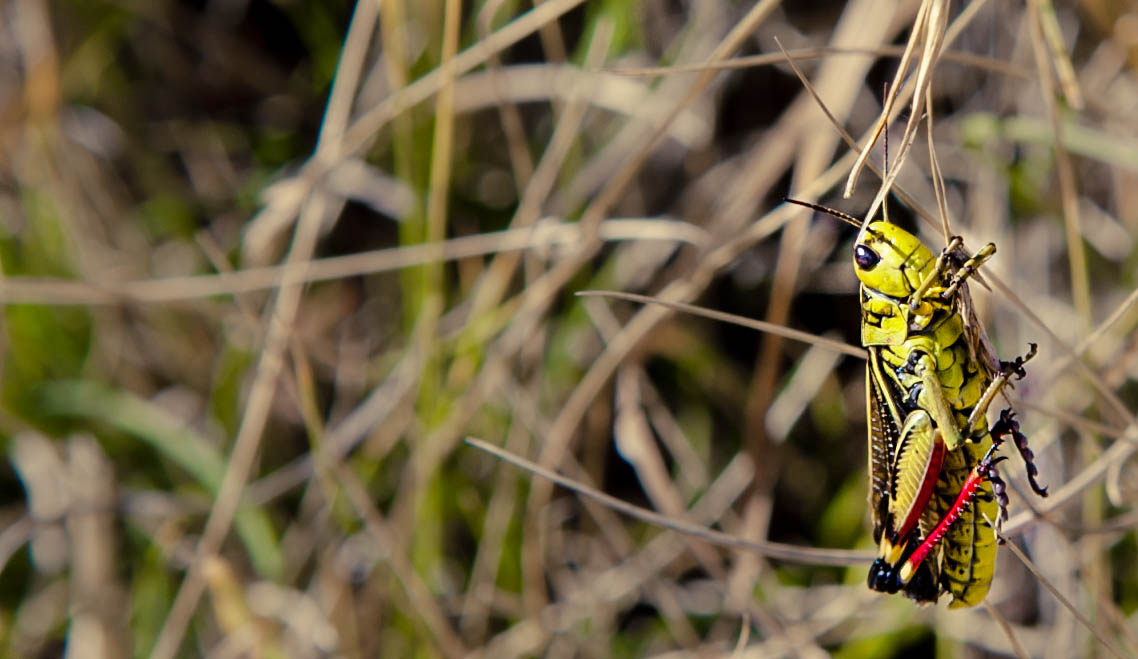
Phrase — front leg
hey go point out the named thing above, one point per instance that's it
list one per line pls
(941, 267)
(968, 269)
(937, 274)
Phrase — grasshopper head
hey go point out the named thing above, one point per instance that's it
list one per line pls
(890, 260)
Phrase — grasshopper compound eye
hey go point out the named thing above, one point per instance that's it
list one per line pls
(866, 258)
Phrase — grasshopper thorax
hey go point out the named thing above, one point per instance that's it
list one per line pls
(891, 261)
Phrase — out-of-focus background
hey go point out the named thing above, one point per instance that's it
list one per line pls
(267, 264)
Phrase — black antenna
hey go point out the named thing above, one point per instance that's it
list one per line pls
(845, 217)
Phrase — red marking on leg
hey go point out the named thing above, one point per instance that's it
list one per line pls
(967, 493)
(932, 472)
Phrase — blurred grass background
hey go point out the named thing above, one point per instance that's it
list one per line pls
(267, 264)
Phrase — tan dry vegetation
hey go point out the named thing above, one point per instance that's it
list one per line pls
(256, 301)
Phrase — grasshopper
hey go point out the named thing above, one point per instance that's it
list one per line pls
(931, 376)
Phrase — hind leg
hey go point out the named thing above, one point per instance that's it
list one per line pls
(984, 470)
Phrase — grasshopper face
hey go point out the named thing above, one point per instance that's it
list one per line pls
(891, 261)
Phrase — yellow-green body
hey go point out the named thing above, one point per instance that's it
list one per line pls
(924, 381)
